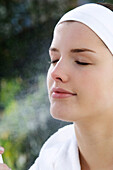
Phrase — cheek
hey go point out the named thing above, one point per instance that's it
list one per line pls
(98, 88)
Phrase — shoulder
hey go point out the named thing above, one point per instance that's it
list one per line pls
(54, 147)
(57, 145)
(61, 136)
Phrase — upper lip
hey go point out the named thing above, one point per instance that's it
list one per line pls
(60, 90)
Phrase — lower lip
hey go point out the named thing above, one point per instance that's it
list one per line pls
(61, 95)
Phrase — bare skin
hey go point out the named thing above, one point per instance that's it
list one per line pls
(90, 105)
(83, 66)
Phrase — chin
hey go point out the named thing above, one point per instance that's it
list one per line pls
(61, 115)
(58, 114)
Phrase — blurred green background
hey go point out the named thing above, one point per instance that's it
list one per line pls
(26, 28)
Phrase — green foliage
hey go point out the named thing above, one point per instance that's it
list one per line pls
(12, 154)
(9, 88)
(26, 28)
(21, 118)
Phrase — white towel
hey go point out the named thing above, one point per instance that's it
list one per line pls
(60, 152)
(95, 16)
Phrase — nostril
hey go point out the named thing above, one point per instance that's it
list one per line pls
(58, 78)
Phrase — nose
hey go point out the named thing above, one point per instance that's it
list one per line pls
(59, 72)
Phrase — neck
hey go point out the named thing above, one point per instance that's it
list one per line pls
(95, 142)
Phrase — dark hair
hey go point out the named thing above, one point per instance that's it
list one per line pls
(107, 5)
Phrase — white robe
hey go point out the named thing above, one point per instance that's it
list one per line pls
(60, 152)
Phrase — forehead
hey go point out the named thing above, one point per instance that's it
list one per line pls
(75, 34)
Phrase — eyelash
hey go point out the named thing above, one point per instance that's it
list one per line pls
(54, 61)
(78, 62)
(82, 63)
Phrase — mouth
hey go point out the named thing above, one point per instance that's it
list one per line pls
(61, 93)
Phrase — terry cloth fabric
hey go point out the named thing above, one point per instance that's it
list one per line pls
(60, 152)
(95, 16)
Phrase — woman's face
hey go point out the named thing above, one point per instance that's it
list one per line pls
(80, 77)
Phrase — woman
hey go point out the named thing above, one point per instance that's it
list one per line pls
(80, 87)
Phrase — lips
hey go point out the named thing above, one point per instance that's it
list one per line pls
(61, 93)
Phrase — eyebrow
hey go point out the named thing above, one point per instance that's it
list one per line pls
(76, 50)
(80, 50)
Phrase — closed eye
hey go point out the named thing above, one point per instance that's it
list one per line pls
(82, 63)
(54, 61)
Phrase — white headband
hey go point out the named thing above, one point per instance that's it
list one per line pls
(95, 16)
